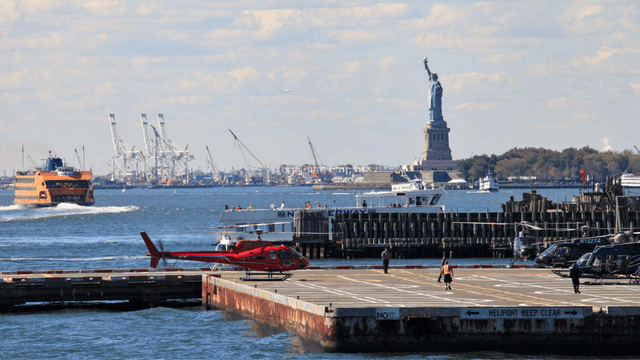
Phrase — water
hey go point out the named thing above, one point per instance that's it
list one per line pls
(107, 236)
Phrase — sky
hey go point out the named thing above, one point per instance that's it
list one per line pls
(515, 74)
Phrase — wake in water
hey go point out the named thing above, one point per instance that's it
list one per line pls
(19, 213)
(103, 258)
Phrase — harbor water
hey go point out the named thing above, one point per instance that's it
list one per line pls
(107, 236)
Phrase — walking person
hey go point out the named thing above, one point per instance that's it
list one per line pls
(574, 274)
(444, 258)
(385, 260)
(447, 271)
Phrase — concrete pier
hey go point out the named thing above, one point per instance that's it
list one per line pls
(509, 310)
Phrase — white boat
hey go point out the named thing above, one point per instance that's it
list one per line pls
(278, 225)
(488, 183)
(628, 180)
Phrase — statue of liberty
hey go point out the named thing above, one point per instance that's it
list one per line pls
(435, 97)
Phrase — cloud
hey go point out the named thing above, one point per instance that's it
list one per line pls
(581, 18)
(636, 89)
(361, 122)
(349, 67)
(272, 21)
(11, 79)
(604, 53)
(52, 41)
(458, 82)
(557, 103)
(386, 63)
(105, 7)
(468, 106)
(605, 145)
(9, 12)
(469, 42)
(358, 36)
(506, 57)
(143, 61)
(561, 123)
(444, 15)
(189, 99)
(243, 74)
(106, 88)
(401, 103)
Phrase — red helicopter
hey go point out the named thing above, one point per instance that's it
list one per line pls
(256, 255)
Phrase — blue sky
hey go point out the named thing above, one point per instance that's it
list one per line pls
(552, 74)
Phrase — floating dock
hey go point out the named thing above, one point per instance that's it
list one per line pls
(508, 310)
(139, 287)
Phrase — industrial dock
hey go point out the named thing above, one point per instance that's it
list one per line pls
(359, 309)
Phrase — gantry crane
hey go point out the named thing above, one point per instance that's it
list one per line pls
(215, 173)
(322, 176)
(251, 176)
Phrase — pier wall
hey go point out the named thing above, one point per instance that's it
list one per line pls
(557, 330)
(279, 311)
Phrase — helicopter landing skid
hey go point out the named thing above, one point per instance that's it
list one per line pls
(269, 276)
(559, 273)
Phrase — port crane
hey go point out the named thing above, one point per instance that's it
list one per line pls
(80, 162)
(324, 176)
(638, 150)
(251, 175)
(122, 151)
(215, 172)
(172, 157)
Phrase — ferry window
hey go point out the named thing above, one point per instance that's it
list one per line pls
(272, 254)
(434, 200)
(410, 201)
(272, 228)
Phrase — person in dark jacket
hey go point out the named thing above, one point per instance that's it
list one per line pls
(444, 258)
(385, 260)
(574, 274)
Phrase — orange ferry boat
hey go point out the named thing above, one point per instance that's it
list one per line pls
(53, 184)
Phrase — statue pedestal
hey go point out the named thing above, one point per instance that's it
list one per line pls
(436, 165)
(436, 143)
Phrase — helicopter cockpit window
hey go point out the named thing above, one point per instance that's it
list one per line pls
(272, 254)
(583, 260)
(549, 251)
(296, 254)
(284, 255)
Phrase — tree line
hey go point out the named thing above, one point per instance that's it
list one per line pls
(551, 165)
